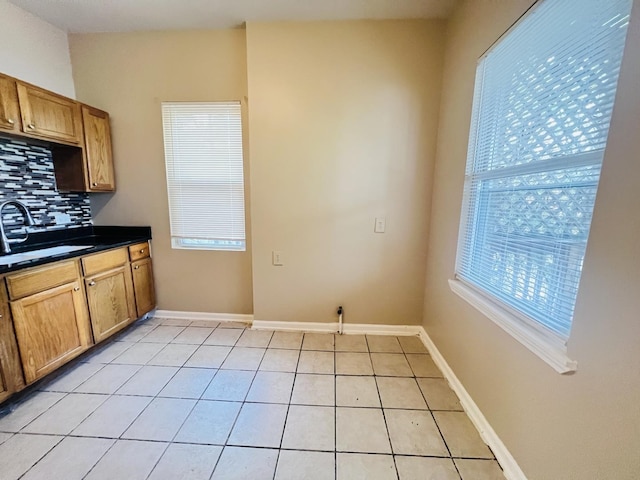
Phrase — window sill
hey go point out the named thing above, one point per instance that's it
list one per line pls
(186, 243)
(549, 348)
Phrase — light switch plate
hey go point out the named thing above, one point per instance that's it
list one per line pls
(276, 258)
(381, 225)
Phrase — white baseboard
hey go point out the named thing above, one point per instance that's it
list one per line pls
(329, 327)
(509, 465)
(319, 327)
(214, 317)
(373, 329)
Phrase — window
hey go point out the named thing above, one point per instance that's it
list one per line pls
(543, 100)
(205, 182)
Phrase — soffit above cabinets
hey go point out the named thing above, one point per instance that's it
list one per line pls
(89, 16)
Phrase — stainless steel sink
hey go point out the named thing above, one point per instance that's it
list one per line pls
(43, 252)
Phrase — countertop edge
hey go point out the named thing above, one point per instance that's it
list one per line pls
(102, 238)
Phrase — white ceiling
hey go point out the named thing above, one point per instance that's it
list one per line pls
(84, 16)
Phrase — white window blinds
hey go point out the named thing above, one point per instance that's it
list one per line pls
(204, 161)
(542, 106)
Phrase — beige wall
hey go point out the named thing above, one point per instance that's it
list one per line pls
(583, 426)
(128, 75)
(34, 51)
(343, 119)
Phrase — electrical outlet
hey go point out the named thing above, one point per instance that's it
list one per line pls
(276, 258)
(381, 225)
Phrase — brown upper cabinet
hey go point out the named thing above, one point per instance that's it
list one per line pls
(97, 140)
(89, 169)
(79, 135)
(9, 107)
(49, 116)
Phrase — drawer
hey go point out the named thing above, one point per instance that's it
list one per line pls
(138, 251)
(39, 279)
(101, 262)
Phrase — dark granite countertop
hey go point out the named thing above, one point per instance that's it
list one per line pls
(99, 237)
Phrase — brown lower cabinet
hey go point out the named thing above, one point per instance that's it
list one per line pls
(11, 379)
(111, 302)
(110, 292)
(50, 319)
(52, 313)
(143, 286)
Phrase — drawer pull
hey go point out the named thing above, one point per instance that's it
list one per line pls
(31, 126)
(10, 121)
(136, 267)
(142, 250)
(95, 184)
(75, 289)
(92, 283)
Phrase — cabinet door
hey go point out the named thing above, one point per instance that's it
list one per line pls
(9, 109)
(52, 327)
(143, 286)
(97, 138)
(11, 379)
(111, 301)
(47, 115)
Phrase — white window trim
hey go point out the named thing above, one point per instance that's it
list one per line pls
(545, 345)
(544, 342)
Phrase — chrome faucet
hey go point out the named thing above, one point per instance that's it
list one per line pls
(28, 220)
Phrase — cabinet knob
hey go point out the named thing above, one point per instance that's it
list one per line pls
(136, 267)
(31, 126)
(142, 250)
(92, 283)
(10, 121)
(75, 289)
(95, 184)
(0, 315)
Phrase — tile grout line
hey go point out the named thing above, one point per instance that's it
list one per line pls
(64, 374)
(437, 426)
(194, 352)
(101, 457)
(384, 416)
(195, 403)
(335, 408)
(446, 445)
(33, 395)
(286, 417)
(186, 417)
(243, 402)
(62, 438)
(235, 420)
(119, 438)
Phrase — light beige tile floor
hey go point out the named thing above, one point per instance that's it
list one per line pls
(171, 399)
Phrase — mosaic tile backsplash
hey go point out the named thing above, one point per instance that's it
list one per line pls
(26, 174)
